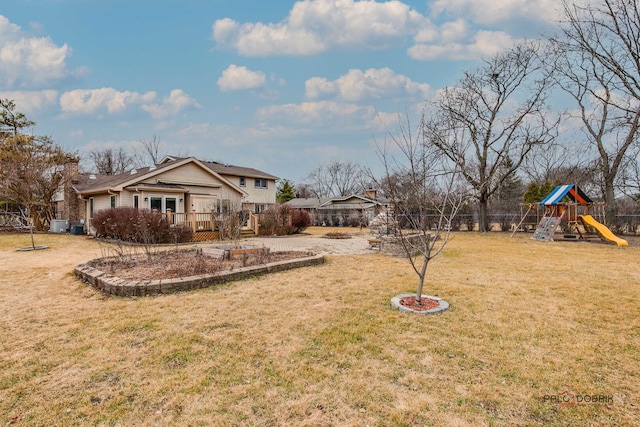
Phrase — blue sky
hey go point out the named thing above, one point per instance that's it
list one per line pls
(281, 86)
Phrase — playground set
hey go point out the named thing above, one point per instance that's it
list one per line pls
(569, 205)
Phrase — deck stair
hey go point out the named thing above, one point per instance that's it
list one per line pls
(246, 233)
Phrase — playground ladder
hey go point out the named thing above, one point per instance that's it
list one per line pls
(547, 228)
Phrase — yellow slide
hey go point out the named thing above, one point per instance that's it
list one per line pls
(603, 231)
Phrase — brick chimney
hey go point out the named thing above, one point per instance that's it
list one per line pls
(371, 193)
(71, 205)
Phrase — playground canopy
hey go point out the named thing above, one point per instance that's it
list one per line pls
(570, 190)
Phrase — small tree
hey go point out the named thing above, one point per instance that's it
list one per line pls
(434, 188)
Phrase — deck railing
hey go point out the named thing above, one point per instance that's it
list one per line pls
(197, 221)
(254, 223)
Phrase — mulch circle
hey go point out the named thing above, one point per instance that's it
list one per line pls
(428, 304)
(424, 304)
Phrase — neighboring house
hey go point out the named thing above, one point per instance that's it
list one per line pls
(182, 187)
(348, 211)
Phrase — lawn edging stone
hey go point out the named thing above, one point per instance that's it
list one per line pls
(113, 285)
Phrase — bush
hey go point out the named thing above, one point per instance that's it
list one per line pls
(283, 220)
(300, 219)
(139, 226)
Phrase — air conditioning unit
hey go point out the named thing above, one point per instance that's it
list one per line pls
(58, 226)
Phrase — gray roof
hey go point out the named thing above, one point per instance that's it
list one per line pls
(87, 182)
(226, 169)
(307, 203)
(349, 202)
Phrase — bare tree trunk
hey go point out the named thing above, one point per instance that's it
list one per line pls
(611, 210)
(483, 213)
(421, 275)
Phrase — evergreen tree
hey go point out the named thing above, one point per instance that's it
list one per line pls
(538, 191)
(285, 191)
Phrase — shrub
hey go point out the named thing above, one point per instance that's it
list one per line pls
(300, 219)
(139, 226)
(283, 220)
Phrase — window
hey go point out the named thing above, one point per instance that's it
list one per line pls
(243, 181)
(112, 201)
(261, 183)
(156, 203)
(170, 204)
(164, 203)
(136, 201)
(91, 207)
(225, 206)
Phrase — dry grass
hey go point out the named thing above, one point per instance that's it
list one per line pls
(321, 345)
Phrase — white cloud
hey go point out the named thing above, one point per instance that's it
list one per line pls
(324, 114)
(27, 61)
(88, 101)
(372, 84)
(315, 26)
(175, 103)
(482, 45)
(453, 30)
(492, 12)
(111, 101)
(240, 78)
(32, 101)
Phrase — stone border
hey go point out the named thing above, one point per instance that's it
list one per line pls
(128, 288)
(395, 303)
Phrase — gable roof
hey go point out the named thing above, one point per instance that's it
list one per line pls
(353, 201)
(93, 183)
(570, 190)
(226, 169)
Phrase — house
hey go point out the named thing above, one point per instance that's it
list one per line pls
(348, 211)
(188, 190)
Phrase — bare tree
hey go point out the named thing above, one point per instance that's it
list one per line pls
(336, 178)
(598, 64)
(149, 151)
(425, 194)
(496, 113)
(563, 164)
(630, 176)
(304, 191)
(110, 161)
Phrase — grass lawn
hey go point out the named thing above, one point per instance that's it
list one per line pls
(322, 346)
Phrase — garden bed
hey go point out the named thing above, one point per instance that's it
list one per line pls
(176, 271)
